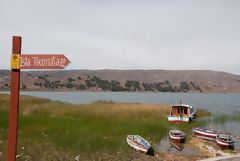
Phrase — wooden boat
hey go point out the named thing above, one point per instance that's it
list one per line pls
(181, 113)
(140, 144)
(225, 140)
(206, 132)
(177, 135)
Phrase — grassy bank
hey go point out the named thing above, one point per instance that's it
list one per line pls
(51, 130)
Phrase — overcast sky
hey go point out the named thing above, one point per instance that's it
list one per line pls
(126, 34)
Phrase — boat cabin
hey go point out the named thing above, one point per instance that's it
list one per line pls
(181, 110)
(181, 113)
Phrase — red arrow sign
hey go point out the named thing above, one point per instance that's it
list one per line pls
(43, 61)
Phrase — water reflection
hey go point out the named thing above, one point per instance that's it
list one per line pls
(226, 148)
(237, 144)
(171, 146)
(206, 138)
(176, 145)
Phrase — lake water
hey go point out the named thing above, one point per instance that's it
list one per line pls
(228, 104)
(217, 103)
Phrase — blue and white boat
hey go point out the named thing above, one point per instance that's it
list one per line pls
(225, 140)
(140, 144)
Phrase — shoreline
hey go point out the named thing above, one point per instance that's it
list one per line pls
(75, 91)
(225, 156)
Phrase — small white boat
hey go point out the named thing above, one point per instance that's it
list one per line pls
(225, 140)
(140, 144)
(181, 113)
(177, 135)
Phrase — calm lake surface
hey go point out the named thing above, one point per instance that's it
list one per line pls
(220, 103)
(224, 106)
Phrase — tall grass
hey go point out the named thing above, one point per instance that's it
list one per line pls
(55, 127)
(203, 113)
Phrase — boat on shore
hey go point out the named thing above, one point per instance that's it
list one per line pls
(206, 132)
(140, 144)
(225, 141)
(181, 113)
(177, 135)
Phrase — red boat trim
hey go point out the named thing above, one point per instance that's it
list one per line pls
(200, 130)
(204, 133)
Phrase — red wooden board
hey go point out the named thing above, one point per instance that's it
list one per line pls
(43, 61)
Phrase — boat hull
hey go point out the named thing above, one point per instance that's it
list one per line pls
(137, 147)
(147, 149)
(178, 138)
(224, 144)
(178, 119)
(205, 133)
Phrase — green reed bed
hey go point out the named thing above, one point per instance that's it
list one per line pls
(54, 129)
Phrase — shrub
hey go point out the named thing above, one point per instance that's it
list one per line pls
(184, 85)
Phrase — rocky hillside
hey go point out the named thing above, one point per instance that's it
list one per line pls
(126, 80)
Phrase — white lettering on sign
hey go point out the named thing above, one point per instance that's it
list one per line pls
(43, 62)
(24, 61)
(49, 62)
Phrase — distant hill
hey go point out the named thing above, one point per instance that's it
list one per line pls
(127, 80)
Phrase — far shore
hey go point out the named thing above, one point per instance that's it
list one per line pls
(45, 90)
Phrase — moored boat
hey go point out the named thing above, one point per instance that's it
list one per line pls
(177, 135)
(181, 113)
(225, 141)
(206, 132)
(140, 144)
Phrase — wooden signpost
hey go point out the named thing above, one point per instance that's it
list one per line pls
(14, 101)
(18, 62)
